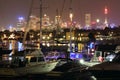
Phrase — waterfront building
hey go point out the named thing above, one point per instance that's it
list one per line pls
(52, 40)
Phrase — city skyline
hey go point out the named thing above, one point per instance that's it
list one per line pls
(10, 10)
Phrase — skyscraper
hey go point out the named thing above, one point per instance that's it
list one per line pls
(21, 23)
(87, 20)
(106, 13)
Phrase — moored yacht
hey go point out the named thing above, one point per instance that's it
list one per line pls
(109, 65)
(35, 63)
(107, 68)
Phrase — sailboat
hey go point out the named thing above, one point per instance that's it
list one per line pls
(34, 62)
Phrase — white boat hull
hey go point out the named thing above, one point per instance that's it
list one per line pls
(36, 69)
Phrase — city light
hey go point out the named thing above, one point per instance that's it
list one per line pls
(71, 16)
(97, 20)
(20, 46)
(20, 19)
(106, 10)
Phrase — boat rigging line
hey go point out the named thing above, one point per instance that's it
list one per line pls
(27, 25)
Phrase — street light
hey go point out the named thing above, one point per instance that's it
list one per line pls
(97, 20)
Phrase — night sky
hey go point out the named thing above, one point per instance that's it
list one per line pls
(10, 10)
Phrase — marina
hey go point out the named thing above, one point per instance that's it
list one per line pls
(53, 43)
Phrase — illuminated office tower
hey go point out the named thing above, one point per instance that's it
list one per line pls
(58, 22)
(21, 23)
(45, 21)
(33, 22)
(87, 21)
(57, 19)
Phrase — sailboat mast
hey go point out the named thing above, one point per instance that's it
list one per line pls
(27, 25)
(71, 17)
(40, 22)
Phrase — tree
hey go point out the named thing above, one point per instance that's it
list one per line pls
(91, 37)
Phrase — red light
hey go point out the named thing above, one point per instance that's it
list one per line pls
(106, 10)
(93, 22)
